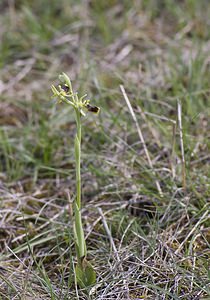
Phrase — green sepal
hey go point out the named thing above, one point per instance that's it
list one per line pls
(54, 90)
(65, 79)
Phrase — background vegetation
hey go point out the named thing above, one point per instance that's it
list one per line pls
(158, 245)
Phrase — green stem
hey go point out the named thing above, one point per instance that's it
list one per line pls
(78, 228)
(78, 156)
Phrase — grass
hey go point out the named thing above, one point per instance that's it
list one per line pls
(143, 245)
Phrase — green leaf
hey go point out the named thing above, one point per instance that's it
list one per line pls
(79, 233)
(85, 274)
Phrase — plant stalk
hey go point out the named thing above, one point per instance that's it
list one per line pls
(78, 228)
(85, 274)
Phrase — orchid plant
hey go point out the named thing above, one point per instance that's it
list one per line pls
(85, 274)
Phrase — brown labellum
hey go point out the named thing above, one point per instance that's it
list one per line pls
(94, 109)
(65, 88)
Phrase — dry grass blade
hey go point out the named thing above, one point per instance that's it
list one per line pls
(108, 232)
(202, 219)
(173, 122)
(179, 116)
(141, 138)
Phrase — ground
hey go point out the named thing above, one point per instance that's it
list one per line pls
(145, 184)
